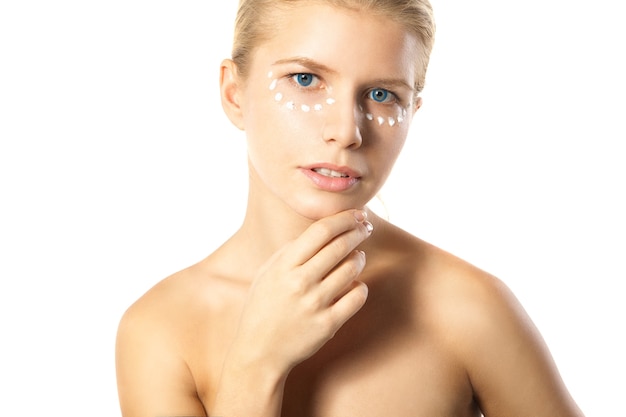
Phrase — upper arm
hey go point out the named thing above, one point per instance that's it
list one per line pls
(152, 378)
(509, 365)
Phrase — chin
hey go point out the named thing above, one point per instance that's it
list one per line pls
(320, 208)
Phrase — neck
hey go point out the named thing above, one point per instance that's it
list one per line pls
(269, 224)
(266, 229)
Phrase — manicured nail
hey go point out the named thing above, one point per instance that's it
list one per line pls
(360, 215)
(369, 226)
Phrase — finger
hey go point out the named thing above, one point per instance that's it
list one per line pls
(348, 305)
(320, 233)
(340, 280)
(328, 257)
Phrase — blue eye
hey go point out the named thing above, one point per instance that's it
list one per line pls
(380, 95)
(304, 79)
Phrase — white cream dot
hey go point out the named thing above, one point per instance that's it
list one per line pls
(391, 121)
(273, 84)
(318, 107)
(269, 74)
(278, 96)
(291, 105)
(369, 116)
(330, 100)
(305, 108)
(381, 120)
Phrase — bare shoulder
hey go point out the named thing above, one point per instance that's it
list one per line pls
(156, 342)
(453, 296)
(159, 313)
(464, 297)
(441, 274)
(478, 318)
(152, 378)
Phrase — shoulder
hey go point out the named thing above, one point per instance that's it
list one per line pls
(442, 276)
(466, 297)
(453, 291)
(158, 307)
(172, 310)
(152, 347)
(468, 306)
(477, 318)
(450, 295)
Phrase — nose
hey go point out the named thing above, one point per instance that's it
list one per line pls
(342, 124)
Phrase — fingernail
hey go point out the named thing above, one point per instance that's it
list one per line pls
(360, 215)
(369, 226)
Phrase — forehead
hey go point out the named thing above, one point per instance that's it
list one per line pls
(359, 43)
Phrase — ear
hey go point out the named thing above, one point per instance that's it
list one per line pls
(418, 104)
(230, 91)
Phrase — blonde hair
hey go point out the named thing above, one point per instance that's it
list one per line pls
(257, 19)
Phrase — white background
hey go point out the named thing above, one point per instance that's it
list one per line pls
(118, 168)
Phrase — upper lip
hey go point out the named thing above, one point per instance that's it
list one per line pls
(343, 169)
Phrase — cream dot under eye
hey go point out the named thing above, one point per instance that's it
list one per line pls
(306, 108)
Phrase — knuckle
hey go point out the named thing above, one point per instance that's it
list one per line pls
(327, 325)
(360, 296)
(314, 302)
(340, 245)
(323, 230)
(353, 265)
(298, 284)
(353, 268)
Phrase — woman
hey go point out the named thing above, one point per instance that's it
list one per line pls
(316, 306)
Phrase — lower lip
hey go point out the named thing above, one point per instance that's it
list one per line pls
(334, 184)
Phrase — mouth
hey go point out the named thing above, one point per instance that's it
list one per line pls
(333, 171)
(330, 177)
(330, 173)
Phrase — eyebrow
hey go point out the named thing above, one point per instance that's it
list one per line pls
(392, 83)
(317, 66)
(306, 62)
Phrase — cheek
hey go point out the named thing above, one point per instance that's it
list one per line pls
(312, 107)
(384, 148)
(282, 129)
(279, 113)
(277, 136)
(278, 116)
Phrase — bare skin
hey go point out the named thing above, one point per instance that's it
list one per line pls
(305, 312)
(436, 337)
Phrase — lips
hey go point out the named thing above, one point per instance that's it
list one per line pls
(332, 178)
(330, 173)
(332, 170)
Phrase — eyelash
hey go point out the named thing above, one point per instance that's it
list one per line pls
(390, 96)
(294, 78)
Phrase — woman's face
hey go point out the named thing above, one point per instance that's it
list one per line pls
(326, 108)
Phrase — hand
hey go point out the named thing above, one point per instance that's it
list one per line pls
(304, 294)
